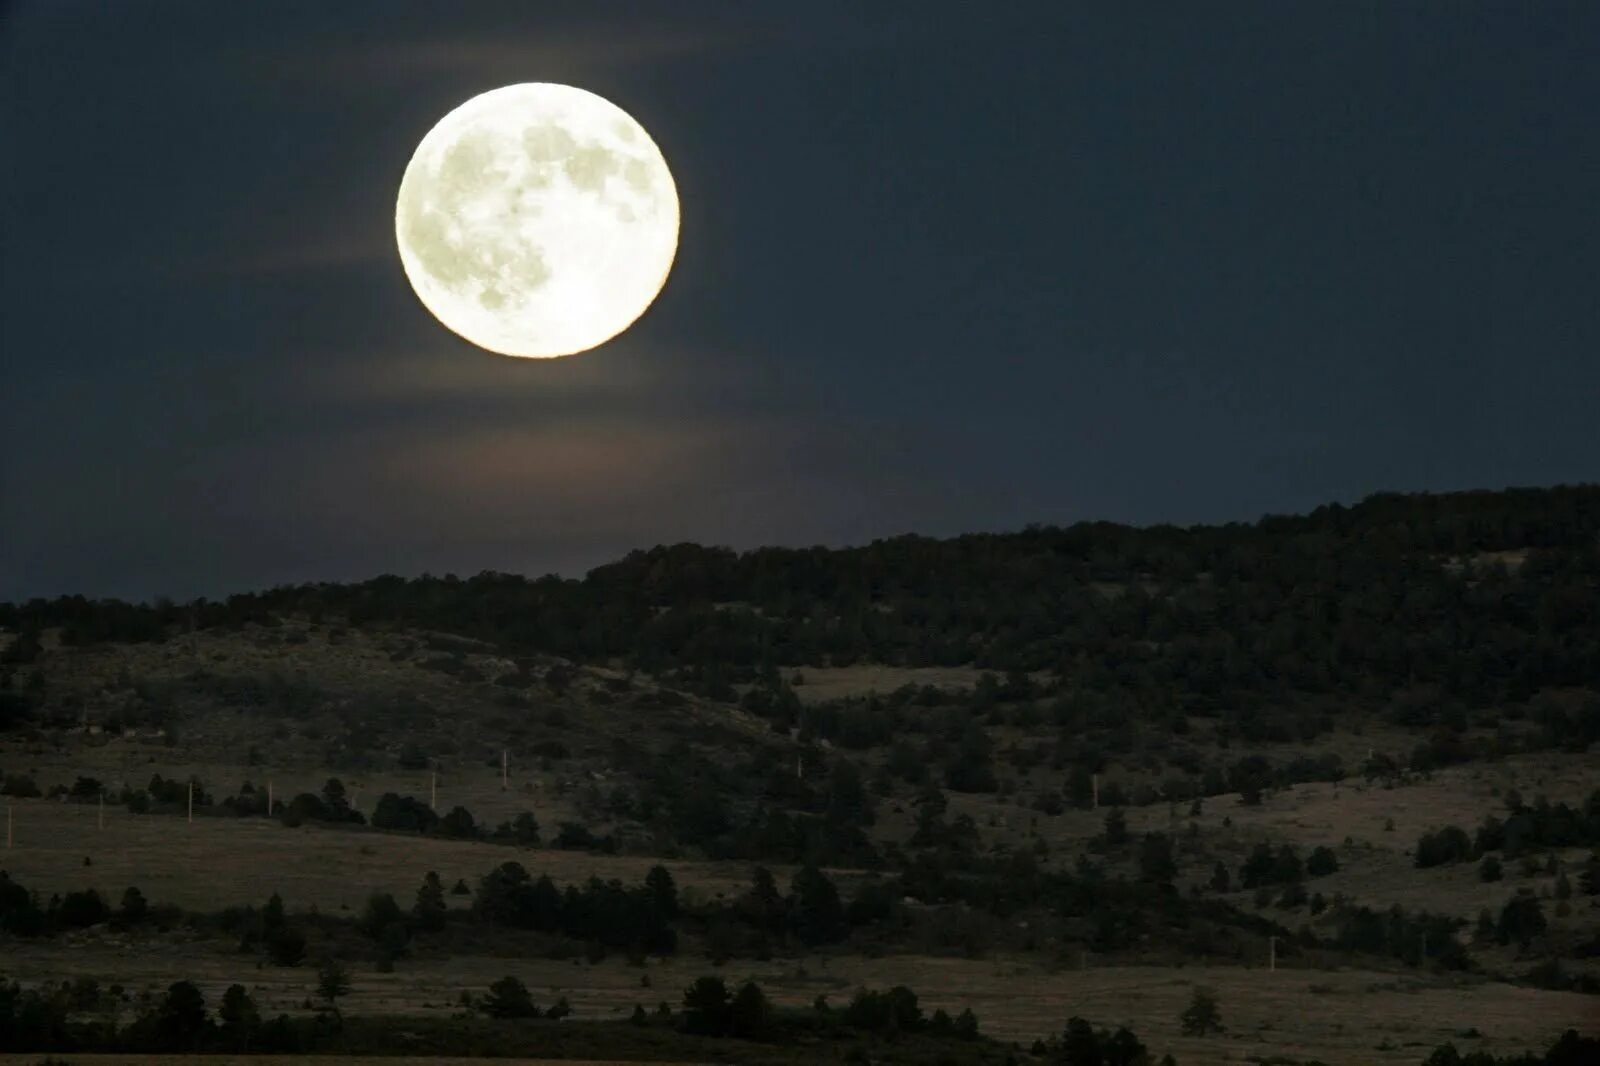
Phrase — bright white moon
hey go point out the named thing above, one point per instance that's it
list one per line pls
(537, 220)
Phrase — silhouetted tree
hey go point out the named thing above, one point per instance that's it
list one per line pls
(509, 998)
(1202, 1017)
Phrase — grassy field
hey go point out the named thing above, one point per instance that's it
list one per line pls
(295, 1060)
(551, 791)
(1342, 1017)
(218, 862)
(1376, 866)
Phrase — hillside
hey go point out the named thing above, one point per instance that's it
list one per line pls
(1354, 742)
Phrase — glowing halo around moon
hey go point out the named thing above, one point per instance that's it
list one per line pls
(537, 220)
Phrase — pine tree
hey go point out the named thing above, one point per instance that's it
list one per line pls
(749, 1015)
(181, 1018)
(430, 911)
(815, 911)
(1202, 1017)
(509, 998)
(705, 1007)
(1116, 833)
(333, 982)
(239, 1017)
(134, 907)
(663, 891)
(272, 914)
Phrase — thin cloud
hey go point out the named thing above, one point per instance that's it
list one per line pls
(569, 50)
(623, 370)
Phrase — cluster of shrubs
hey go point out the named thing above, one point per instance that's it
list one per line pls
(1520, 921)
(1570, 1049)
(1419, 937)
(1414, 937)
(896, 1011)
(958, 752)
(510, 998)
(710, 1008)
(24, 914)
(1551, 976)
(645, 919)
(1266, 866)
(46, 1018)
(407, 814)
(41, 1019)
(19, 785)
(1081, 1043)
(330, 806)
(267, 930)
(161, 796)
(1541, 826)
(1250, 776)
(603, 913)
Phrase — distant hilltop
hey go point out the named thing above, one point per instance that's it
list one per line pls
(1485, 596)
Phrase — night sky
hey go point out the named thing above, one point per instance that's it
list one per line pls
(945, 267)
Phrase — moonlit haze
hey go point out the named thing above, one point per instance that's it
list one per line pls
(1092, 558)
(934, 268)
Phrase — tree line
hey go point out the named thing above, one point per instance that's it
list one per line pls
(1361, 603)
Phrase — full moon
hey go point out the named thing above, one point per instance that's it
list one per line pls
(537, 220)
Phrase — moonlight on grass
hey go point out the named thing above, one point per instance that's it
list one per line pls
(537, 220)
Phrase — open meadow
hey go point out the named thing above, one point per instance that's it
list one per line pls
(1341, 1017)
(217, 862)
(298, 1060)
(1346, 1015)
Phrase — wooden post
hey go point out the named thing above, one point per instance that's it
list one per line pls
(1272, 953)
(1095, 784)
(269, 797)
(505, 769)
(102, 808)
(8, 827)
(433, 794)
(191, 802)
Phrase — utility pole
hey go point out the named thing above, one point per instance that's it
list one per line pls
(269, 797)
(8, 827)
(505, 769)
(433, 794)
(102, 808)
(1272, 953)
(191, 802)
(1095, 785)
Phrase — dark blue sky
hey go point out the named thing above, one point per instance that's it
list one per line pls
(945, 267)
